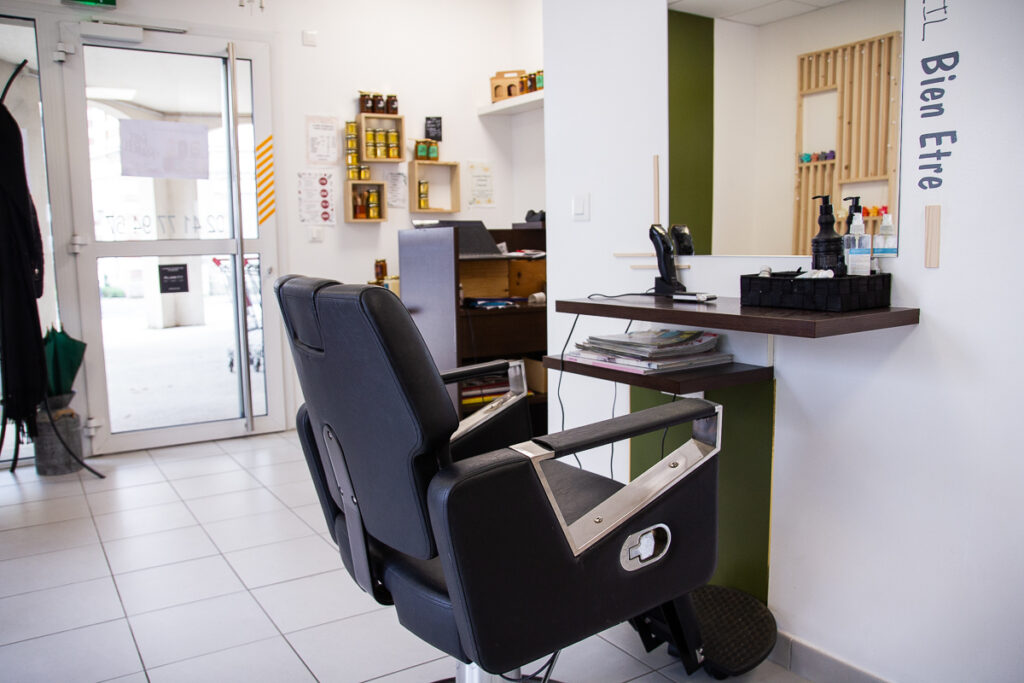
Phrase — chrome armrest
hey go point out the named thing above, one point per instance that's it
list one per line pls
(618, 508)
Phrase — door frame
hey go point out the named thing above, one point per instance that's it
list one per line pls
(97, 421)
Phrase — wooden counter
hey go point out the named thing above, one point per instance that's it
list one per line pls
(727, 314)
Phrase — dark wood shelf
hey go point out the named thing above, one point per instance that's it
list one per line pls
(727, 314)
(682, 382)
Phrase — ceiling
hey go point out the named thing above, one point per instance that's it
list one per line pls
(753, 12)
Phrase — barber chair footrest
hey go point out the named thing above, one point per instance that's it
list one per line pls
(738, 632)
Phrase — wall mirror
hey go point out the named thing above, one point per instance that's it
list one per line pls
(741, 112)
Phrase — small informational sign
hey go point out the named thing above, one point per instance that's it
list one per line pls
(432, 128)
(164, 149)
(398, 190)
(481, 185)
(173, 278)
(316, 197)
(321, 141)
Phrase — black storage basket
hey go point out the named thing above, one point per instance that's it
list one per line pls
(838, 294)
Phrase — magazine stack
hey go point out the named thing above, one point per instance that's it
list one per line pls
(648, 352)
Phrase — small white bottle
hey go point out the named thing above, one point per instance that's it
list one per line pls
(858, 260)
(885, 240)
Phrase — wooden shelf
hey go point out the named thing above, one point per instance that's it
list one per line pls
(353, 187)
(513, 105)
(367, 121)
(434, 172)
(727, 314)
(683, 382)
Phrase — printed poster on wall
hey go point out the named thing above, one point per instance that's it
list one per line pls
(316, 197)
(164, 149)
(398, 190)
(481, 185)
(321, 141)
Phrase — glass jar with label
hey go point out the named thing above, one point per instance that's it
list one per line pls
(351, 157)
(531, 82)
(371, 146)
(353, 172)
(423, 190)
(351, 128)
(392, 136)
(380, 150)
(432, 151)
(391, 104)
(372, 211)
(379, 105)
(524, 84)
(380, 135)
(364, 172)
(393, 150)
(373, 195)
(365, 102)
(423, 149)
(351, 142)
(540, 79)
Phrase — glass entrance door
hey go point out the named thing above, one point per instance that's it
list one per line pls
(175, 241)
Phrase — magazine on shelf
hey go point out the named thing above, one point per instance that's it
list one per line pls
(659, 337)
(613, 362)
(699, 342)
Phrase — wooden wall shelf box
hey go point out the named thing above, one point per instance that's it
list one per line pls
(353, 187)
(367, 121)
(431, 171)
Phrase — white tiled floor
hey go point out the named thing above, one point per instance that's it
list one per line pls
(212, 562)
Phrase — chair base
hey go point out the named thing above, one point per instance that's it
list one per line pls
(471, 673)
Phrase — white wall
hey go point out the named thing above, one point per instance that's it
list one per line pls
(755, 116)
(897, 538)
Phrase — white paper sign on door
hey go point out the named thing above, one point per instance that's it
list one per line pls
(164, 149)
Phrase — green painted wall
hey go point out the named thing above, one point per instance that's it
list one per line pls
(691, 63)
(744, 477)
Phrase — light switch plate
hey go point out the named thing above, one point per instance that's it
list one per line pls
(581, 207)
(309, 38)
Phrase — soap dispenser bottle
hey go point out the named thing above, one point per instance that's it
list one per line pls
(848, 239)
(827, 245)
(857, 246)
(885, 240)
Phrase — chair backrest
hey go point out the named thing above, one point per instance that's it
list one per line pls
(367, 375)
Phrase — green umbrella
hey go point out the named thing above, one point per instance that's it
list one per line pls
(63, 359)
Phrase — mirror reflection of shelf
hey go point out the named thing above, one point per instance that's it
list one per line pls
(353, 190)
(862, 83)
(442, 178)
(387, 122)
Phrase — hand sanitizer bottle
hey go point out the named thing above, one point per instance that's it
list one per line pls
(858, 244)
(885, 240)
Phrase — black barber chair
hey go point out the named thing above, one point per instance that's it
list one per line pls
(505, 557)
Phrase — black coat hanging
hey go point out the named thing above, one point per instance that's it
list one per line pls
(22, 363)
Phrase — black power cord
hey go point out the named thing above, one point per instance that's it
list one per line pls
(53, 425)
(561, 371)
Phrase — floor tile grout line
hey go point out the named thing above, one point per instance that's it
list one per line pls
(120, 598)
(623, 650)
(259, 605)
(408, 668)
(61, 631)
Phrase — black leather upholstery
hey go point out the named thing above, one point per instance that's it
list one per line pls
(387, 405)
(471, 552)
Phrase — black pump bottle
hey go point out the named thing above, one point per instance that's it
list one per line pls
(854, 208)
(827, 245)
